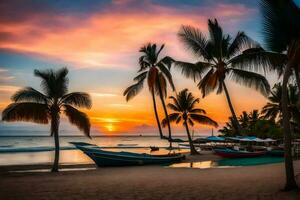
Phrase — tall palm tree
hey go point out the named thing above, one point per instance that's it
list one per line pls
(220, 58)
(184, 107)
(157, 73)
(282, 34)
(34, 106)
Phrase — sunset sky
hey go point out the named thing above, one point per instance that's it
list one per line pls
(99, 41)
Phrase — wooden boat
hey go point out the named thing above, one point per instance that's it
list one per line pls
(108, 158)
(154, 148)
(230, 153)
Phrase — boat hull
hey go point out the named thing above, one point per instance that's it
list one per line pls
(229, 153)
(108, 158)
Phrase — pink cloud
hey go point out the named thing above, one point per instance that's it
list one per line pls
(111, 39)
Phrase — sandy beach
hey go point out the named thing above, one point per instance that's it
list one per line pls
(150, 182)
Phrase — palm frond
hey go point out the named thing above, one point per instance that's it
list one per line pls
(133, 90)
(167, 61)
(194, 40)
(78, 118)
(271, 111)
(176, 103)
(192, 70)
(30, 95)
(208, 83)
(201, 119)
(251, 80)
(160, 49)
(144, 63)
(26, 111)
(172, 118)
(216, 37)
(259, 60)
(192, 103)
(167, 73)
(280, 23)
(190, 121)
(77, 99)
(140, 77)
(240, 43)
(173, 107)
(198, 110)
(54, 83)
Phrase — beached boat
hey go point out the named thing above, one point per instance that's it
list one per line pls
(108, 158)
(231, 153)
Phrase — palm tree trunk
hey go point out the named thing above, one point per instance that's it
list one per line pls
(166, 113)
(192, 147)
(156, 114)
(235, 120)
(289, 168)
(54, 131)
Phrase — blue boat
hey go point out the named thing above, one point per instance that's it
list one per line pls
(109, 158)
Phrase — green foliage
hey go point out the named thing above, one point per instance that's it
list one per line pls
(253, 125)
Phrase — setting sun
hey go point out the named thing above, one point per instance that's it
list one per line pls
(110, 127)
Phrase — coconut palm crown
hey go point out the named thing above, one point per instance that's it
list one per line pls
(222, 57)
(34, 106)
(185, 111)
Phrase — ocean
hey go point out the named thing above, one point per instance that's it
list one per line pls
(25, 150)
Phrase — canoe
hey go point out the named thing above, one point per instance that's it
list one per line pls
(230, 153)
(109, 158)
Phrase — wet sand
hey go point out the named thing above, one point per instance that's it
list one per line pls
(150, 182)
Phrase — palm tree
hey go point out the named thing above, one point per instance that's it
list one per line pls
(228, 130)
(158, 75)
(184, 106)
(282, 34)
(34, 106)
(222, 58)
(273, 111)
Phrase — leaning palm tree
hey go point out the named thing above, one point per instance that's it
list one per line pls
(157, 73)
(221, 58)
(34, 106)
(184, 106)
(282, 34)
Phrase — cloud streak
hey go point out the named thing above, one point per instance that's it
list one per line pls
(109, 39)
